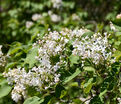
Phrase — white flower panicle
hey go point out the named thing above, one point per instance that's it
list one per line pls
(94, 48)
(54, 45)
(55, 42)
(40, 78)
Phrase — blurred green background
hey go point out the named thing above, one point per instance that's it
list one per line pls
(22, 20)
(15, 13)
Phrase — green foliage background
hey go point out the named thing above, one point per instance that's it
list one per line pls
(14, 14)
(17, 41)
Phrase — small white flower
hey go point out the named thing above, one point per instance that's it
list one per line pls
(58, 48)
(112, 27)
(49, 29)
(55, 18)
(16, 97)
(29, 24)
(118, 16)
(49, 12)
(56, 3)
(36, 17)
(38, 35)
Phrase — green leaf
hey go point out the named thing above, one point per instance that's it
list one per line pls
(15, 50)
(72, 76)
(120, 89)
(69, 4)
(33, 100)
(117, 55)
(73, 84)
(58, 90)
(118, 34)
(47, 99)
(74, 59)
(101, 94)
(15, 47)
(30, 59)
(99, 80)
(4, 88)
(19, 54)
(117, 22)
(63, 93)
(51, 101)
(10, 65)
(95, 100)
(89, 34)
(88, 86)
(77, 101)
(89, 68)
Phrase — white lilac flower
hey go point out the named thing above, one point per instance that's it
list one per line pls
(16, 96)
(41, 77)
(94, 48)
(36, 17)
(56, 3)
(50, 12)
(55, 18)
(18, 92)
(2, 58)
(118, 16)
(29, 24)
(112, 26)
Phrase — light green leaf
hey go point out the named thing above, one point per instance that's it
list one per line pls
(30, 59)
(15, 47)
(88, 85)
(118, 34)
(101, 94)
(89, 34)
(117, 55)
(63, 93)
(77, 72)
(89, 68)
(4, 88)
(74, 59)
(120, 89)
(69, 4)
(33, 100)
(88, 88)
(10, 65)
